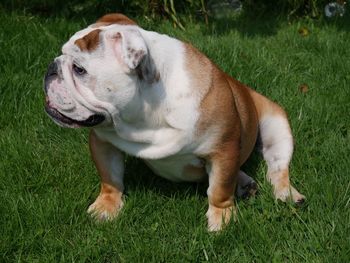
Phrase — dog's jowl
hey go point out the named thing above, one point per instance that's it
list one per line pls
(152, 96)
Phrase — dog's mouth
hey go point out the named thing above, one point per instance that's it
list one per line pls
(65, 121)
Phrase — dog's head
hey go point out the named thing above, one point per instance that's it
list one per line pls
(97, 74)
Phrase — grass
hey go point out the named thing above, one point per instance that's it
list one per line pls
(47, 179)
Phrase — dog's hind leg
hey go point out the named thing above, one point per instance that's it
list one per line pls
(277, 150)
(277, 147)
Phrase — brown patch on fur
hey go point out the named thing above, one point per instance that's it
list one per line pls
(199, 68)
(218, 112)
(227, 111)
(248, 117)
(90, 41)
(224, 172)
(283, 190)
(280, 179)
(222, 95)
(108, 199)
(264, 106)
(115, 18)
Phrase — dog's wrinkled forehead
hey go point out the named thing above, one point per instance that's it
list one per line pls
(88, 39)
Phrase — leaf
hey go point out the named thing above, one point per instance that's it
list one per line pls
(303, 88)
(303, 31)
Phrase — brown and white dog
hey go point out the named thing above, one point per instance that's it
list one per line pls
(152, 96)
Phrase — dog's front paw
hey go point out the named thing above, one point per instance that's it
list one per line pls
(219, 217)
(106, 207)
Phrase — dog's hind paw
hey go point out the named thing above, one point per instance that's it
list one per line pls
(246, 186)
(291, 193)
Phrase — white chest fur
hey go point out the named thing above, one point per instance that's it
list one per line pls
(159, 126)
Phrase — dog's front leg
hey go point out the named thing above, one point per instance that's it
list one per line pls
(109, 162)
(223, 171)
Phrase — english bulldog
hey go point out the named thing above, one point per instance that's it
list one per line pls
(155, 97)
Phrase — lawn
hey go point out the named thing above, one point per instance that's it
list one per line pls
(47, 179)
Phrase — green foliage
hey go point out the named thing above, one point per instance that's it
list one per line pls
(169, 9)
(311, 8)
(176, 11)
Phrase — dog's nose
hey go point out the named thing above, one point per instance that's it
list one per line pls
(52, 71)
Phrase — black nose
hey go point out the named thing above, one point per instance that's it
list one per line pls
(52, 71)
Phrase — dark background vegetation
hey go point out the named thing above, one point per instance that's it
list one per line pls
(255, 16)
(174, 10)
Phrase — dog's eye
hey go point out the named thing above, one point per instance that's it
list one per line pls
(78, 69)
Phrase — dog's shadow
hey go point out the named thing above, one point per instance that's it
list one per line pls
(139, 177)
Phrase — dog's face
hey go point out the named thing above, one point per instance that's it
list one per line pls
(96, 76)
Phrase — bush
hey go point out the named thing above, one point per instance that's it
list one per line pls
(173, 10)
(311, 8)
(170, 9)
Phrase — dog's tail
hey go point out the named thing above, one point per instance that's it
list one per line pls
(277, 146)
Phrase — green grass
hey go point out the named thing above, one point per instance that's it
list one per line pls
(47, 179)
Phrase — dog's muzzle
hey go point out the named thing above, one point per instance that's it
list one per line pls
(53, 73)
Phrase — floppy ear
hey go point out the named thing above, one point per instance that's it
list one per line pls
(130, 47)
(131, 51)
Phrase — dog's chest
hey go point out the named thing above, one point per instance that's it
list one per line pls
(184, 167)
(169, 158)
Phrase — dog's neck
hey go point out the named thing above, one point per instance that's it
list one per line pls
(163, 54)
(161, 108)
(155, 80)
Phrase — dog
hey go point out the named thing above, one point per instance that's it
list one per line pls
(152, 96)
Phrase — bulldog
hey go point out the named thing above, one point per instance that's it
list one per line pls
(155, 97)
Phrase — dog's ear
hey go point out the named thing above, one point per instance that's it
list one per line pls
(130, 47)
(131, 51)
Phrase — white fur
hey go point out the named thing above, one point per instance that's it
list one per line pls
(277, 151)
(277, 143)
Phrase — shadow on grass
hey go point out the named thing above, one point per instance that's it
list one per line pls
(138, 177)
(245, 24)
